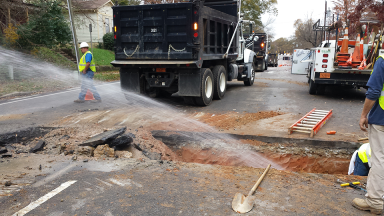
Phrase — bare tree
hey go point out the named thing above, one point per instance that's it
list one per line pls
(304, 34)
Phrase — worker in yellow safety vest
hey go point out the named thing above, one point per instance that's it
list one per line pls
(372, 118)
(360, 161)
(87, 68)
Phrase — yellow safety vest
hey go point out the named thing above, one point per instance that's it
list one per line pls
(381, 98)
(365, 153)
(83, 63)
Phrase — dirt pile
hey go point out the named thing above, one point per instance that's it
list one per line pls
(234, 120)
(69, 141)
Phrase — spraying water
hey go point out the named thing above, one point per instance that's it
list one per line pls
(137, 109)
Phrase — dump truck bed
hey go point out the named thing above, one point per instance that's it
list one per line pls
(181, 31)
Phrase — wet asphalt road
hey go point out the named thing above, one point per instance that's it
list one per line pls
(273, 90)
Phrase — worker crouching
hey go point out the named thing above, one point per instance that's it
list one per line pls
(360, 161)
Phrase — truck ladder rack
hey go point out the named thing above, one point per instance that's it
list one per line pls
(311, 122)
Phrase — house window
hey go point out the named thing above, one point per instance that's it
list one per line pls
(107, 29)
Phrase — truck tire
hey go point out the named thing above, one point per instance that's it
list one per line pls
(251, 80)
(220, 82)
(320, 89)
(206, 90)
(312, 87)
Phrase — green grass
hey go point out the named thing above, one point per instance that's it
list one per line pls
(107, 76)
(102, 56)
(51, 56)
(31, 85)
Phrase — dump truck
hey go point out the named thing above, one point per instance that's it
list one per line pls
(190, 48)
(272, 59)
(260, 46)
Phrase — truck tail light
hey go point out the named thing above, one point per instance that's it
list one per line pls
(195, 26)
(325, 60)
(195, 35)
(115, 28)
(325, 55)
(262, 45)
(115, 36)
(324, 66)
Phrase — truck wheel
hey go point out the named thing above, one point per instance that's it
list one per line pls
(206, 88)
(220, 82)
(250, 81)
(320, 89)
(312, 87)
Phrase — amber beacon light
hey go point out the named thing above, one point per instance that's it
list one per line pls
(195, 26)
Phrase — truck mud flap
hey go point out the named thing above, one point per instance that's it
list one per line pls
(130, 81)
(189, 84)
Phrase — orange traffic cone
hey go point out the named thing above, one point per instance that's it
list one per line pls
(89, 96)
(363, 64)
(356, 53)
(344, 45)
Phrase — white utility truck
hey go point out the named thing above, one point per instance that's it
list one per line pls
(322, 70)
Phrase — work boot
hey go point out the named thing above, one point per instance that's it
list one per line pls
(96, 101)
(79, 101)
(362, 205)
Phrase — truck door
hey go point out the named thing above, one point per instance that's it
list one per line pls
(299, 66)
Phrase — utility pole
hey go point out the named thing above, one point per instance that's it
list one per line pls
(90, 32)
(73, 33)
(325, 23)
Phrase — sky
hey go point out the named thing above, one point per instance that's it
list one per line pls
(291, 10)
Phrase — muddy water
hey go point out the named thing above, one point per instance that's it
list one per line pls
(297, 163)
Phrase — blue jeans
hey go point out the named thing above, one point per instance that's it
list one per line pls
(87, 83)
(361, 169)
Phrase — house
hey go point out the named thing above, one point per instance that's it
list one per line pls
(96, 12)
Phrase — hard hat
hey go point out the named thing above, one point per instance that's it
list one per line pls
(83, 44)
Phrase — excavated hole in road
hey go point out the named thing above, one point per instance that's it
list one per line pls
(299, 155)
(313, 156)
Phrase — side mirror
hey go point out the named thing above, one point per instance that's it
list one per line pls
(256, 38)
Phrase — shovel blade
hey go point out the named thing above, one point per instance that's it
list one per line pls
(242, 204)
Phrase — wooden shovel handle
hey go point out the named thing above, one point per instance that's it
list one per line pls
(259, 181)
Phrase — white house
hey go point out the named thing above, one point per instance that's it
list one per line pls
(96, 12)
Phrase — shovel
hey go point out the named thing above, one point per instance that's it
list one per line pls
(242, 204)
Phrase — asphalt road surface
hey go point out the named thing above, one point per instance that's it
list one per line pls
(275, 89)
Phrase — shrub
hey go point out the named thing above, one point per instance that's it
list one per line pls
(109, 41)
(46, 28)
(11, 35)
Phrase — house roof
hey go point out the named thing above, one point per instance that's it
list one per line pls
(90, 4)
